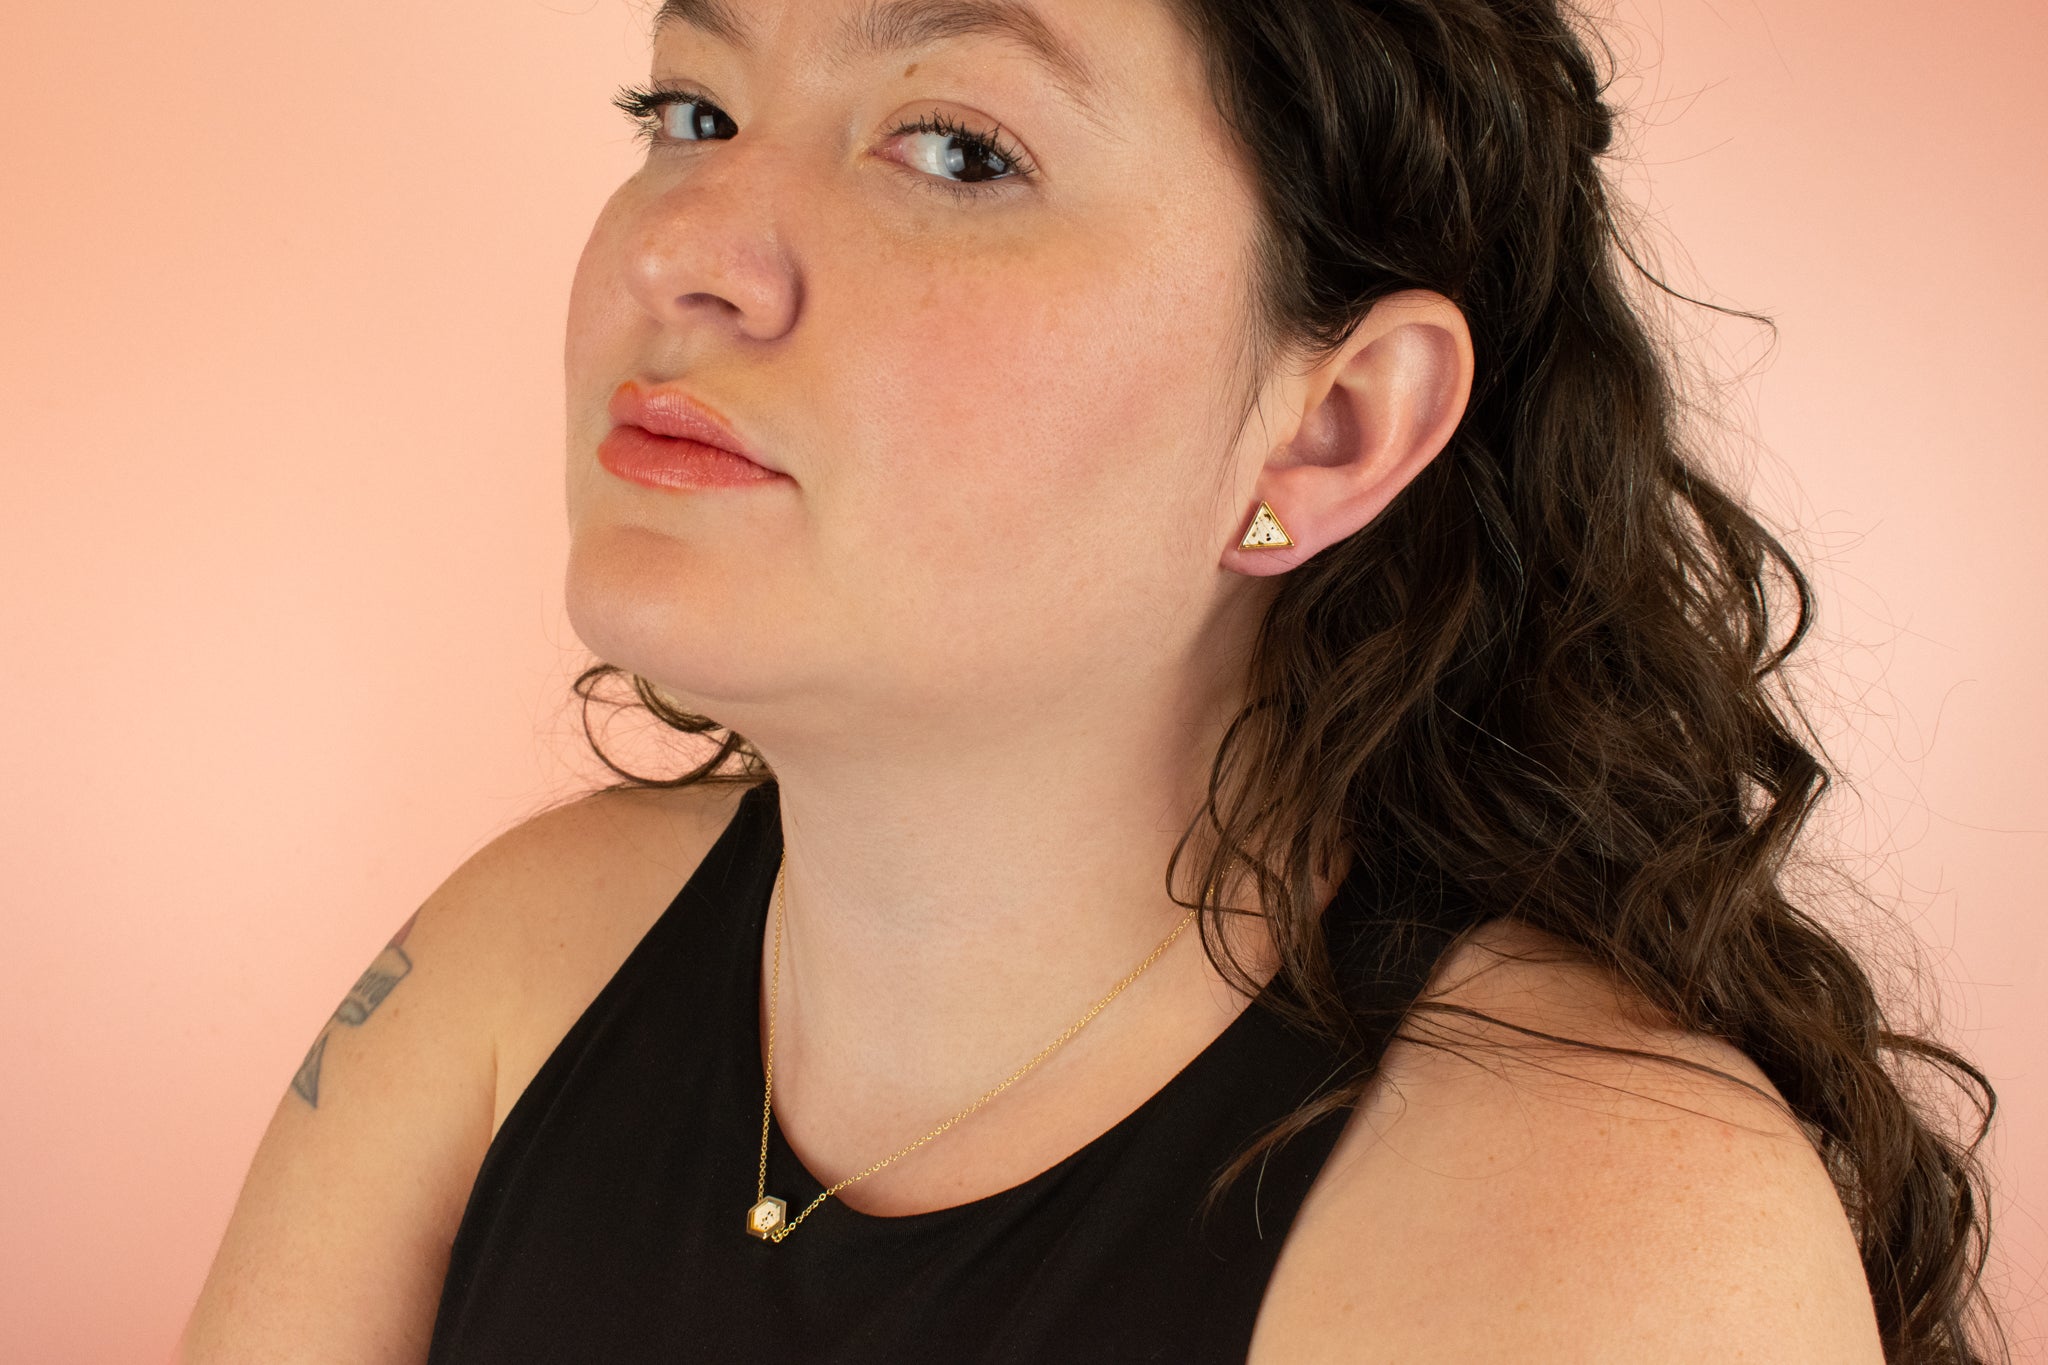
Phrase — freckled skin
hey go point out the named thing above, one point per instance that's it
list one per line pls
(1004, 419)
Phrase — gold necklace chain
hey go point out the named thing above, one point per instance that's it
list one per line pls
(767, 1218)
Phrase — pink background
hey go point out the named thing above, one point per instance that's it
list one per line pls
(282, 536)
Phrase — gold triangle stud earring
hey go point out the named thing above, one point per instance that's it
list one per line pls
(1265, 532)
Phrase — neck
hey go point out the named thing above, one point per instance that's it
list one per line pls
(944, 920)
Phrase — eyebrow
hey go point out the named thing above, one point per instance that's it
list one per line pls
(891, 26)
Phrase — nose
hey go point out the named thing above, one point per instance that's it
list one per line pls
(706, 250)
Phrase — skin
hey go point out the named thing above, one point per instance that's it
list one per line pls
(990, 627)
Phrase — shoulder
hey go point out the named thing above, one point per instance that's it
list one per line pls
(1504, 1197)
(557, 902)
(393, 1095)
(573, 877)
(580, 839)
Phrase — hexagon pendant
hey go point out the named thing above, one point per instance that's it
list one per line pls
(764, 1220)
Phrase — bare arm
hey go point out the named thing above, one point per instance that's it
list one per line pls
(338, 1246)
(339, 1243)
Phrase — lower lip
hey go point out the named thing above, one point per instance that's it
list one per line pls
(641, 457)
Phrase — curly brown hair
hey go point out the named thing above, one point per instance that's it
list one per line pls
(1543, 682)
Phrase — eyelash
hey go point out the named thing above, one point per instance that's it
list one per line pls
(644, 104)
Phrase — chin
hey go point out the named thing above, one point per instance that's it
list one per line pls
(699, 621)
(646, 602)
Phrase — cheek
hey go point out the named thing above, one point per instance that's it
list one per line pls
(601, 321)
(1031, 455)
(1051, 401)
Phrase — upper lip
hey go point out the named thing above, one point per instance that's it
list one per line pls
(672, 412)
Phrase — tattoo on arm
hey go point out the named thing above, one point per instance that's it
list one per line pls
(363, 998)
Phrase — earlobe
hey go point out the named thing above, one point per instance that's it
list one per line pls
(1379, 410)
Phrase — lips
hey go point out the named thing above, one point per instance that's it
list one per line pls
(666, 439)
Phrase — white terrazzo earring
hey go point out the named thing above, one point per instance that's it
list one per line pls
(1265, 532)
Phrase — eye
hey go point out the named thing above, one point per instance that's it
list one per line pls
(983, 160)
(985, 157)
(673, 115)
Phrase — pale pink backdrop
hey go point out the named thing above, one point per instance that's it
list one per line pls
(280, 623)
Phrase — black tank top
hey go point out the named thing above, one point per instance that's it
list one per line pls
(607, 1221)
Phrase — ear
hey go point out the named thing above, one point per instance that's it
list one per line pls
(1372, 416)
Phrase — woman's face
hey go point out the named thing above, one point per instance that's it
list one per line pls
(1002, 403)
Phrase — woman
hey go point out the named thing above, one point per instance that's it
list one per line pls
(1248, 802)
